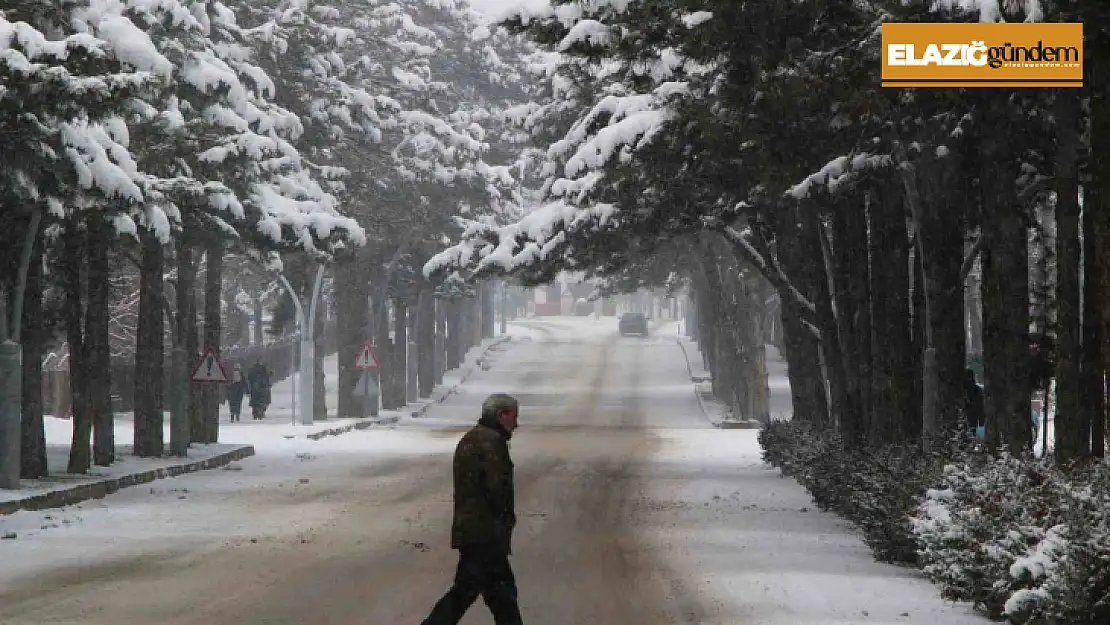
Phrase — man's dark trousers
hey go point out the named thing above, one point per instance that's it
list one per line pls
(483, 570)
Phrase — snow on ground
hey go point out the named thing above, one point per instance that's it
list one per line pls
(273, 432)
(216, 504)
(745, 541)
(57, 456)
(753, 539)
(197, 508)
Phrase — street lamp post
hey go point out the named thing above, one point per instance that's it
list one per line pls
(306, 326)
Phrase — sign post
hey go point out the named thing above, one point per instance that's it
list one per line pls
(370, 381)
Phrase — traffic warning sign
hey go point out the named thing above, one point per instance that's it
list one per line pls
(209, 369)
(366, 358)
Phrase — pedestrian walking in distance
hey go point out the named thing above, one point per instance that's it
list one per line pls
(236, 390)
(484, 518)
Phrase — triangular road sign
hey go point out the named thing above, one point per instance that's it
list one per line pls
(209, 369)
(366, 358)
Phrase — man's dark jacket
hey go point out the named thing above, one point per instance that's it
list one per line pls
(484, 500)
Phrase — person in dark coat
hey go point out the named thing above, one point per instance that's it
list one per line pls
(484, 518)
(258, 383)
(235, 391)
(974, 409)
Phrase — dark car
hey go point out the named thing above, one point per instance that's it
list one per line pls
(633, 323)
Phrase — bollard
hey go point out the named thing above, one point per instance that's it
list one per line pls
(11, 390)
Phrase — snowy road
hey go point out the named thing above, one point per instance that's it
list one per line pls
(632, 509)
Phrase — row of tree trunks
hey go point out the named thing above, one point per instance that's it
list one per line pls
(726, 330)
(443, 330)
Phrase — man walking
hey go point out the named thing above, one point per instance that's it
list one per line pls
(484, 518)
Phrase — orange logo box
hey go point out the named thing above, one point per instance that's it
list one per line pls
(982, 55)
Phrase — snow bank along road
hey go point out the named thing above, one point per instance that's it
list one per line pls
(632, 510)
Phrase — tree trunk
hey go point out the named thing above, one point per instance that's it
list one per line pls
(488, 326)
(192, 347)
(186, 328)
(400, 351)
(351, 327)
(853, 318)
(1097, 314)
(845, 408)
(440, 358)
(256, 302)
(150, 351)
(97, 342)
(455, 325)
(1072, 434)
(213, 300)
(942, 239)
(80, 456)
(473, 332)
(1005, 260)
(917, 325)
(319, 386)
(973, 311)
(893, 372)
(1091, 367)
(32, 431)
(803, 350)
(708, 328)
(425, 342)
(384, 346)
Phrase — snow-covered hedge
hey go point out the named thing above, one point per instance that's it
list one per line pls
(1021, 539)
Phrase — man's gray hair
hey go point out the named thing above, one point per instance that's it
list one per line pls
(498, 402)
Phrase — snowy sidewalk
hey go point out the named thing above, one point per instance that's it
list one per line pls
(238, 440)
(739, 532)
(62, 489)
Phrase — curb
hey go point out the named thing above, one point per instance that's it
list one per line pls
(103, 488)
(344, 429)
(419, 412)
(724, 424)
